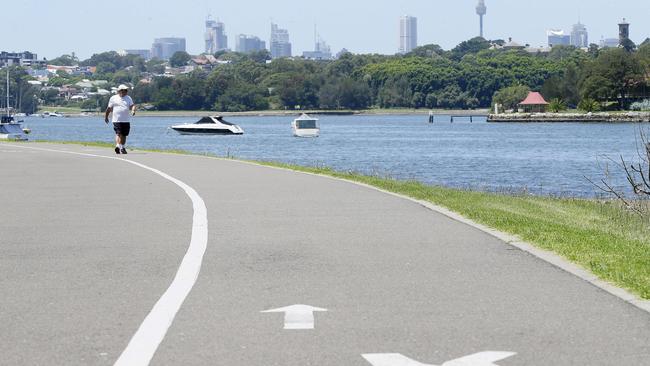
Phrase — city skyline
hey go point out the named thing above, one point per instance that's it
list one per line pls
(374, 32)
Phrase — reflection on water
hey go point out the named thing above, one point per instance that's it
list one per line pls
(544, 158)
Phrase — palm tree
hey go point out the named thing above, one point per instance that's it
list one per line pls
(557, 105)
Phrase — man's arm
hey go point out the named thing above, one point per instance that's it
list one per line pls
(109, 110)
(133, 109)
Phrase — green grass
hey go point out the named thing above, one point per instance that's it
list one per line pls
(601, 236)
(67, 110)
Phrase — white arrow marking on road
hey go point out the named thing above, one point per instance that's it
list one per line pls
(477, 359)
(297, 316)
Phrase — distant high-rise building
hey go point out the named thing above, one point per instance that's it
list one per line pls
(280, 45)
(26, 59)
(579, 36)
(609, 43)
(321, 50)
(557, 37)
(164, 48)
(623, 32)
(408, 34)
(215, 37)
(145, 54)
(247, 44)
(481, 10)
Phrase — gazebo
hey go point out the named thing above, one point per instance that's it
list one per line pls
(533, 103)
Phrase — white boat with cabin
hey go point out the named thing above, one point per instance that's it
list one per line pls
(212, 125)
(305, 126)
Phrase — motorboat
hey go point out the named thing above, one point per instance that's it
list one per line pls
(10, 130)
(305, 126)
(51, 114)
(212, 125)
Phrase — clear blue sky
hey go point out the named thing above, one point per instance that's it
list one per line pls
(54, 27)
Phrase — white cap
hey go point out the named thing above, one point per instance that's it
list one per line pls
(122, 87)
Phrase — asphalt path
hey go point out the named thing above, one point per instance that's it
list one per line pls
(88, 245)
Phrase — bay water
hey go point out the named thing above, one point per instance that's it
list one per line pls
(540, 158)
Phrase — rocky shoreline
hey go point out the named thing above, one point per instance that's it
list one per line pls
(571, 117)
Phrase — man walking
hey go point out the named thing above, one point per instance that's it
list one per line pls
(122, 107)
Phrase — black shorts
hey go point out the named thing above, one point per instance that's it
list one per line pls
(122, 128)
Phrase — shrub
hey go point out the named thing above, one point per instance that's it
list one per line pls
(557, 105)
(641, 106)
(588, 105)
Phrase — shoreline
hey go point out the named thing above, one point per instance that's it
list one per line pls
(293, 113)
(607, 117)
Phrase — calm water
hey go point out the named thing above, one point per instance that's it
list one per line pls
(544, 158)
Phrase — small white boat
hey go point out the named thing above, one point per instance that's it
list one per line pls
(51, 114)
(213, 125)
(305, 126)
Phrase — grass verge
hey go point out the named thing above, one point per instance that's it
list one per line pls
(601, 236)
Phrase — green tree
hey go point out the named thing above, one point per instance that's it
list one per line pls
(64, 60)
(344, 93)
(511, 96)
(180, 58)
(643, 55)
(111, 57)
(105, 68)
(155, 66)
(260, 56)
(427, 51)
(563, 86)
(472, 46)
(628, 45)
(242, 97)
(122, 77)
(49, 96)
(615, 75)
(190, 91)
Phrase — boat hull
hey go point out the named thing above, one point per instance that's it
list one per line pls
(306, 133)
(204, 131)
(12, 131)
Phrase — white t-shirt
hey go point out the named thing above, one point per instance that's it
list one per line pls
(121, 108)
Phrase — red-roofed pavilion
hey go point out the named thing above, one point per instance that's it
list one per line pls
(534, 102)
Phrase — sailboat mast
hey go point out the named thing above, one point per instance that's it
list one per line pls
(7, 90)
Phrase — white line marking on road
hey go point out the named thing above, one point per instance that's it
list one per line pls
(478, 359)
(297, 316)
(153, 329)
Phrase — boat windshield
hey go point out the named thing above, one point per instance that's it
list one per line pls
(306, 124)
(210, 120)
(220, 119)
(205, 120)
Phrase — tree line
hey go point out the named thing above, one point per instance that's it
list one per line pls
(474, 74)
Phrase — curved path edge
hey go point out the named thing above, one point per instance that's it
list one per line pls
(152, 330)
(510, 239)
